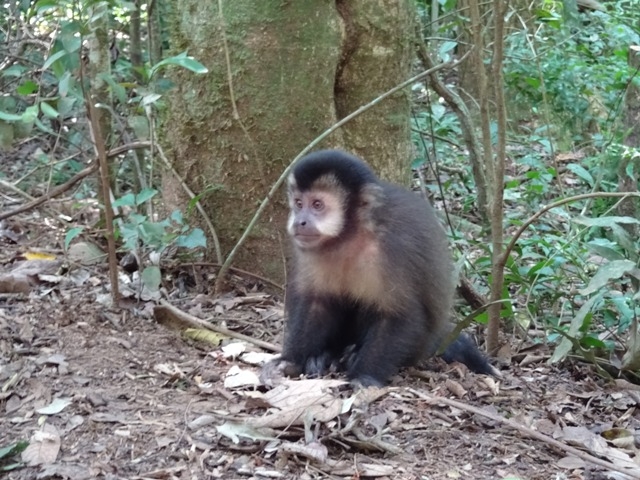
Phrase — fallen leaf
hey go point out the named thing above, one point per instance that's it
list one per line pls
(43, 447)
(56, 406)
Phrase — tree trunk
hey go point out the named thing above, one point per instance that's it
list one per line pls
(279, 71)
(628, 171)
(376, 55)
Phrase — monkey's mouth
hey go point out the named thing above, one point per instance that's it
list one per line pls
(306, 240)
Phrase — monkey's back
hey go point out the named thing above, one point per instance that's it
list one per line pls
(417, 250)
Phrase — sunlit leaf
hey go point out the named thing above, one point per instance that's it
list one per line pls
(181, 60)
(27, 88)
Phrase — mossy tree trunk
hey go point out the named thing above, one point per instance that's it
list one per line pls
(280, 73)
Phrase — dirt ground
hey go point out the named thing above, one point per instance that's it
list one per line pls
(110, 393)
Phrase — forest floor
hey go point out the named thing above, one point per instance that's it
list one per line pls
(102, 392)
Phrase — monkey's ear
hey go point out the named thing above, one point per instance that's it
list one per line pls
(371, 196)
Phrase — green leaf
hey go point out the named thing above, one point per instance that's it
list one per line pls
(610, 271)
(63, 85)
(144, 195)
(10, 117)
(176, 216)
(48, 110)
(118, 90)
(605, 248)
(581, 172)
(13, 449)
(194, 239)
(27, 88)
(70, 235)
(181, 60)
(128, 200)
(30, 114)
(565, 345)
(152, 278)
(153, 234)
(65, 104)
(604, 221)
(53, 58)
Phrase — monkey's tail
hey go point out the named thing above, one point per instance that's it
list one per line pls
(463, 350)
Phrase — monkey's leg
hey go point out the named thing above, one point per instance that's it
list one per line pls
(388, 343)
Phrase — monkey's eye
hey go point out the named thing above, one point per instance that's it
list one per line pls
(297, 203)
(317, 205)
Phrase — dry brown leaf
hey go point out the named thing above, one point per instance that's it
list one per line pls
(43, 447)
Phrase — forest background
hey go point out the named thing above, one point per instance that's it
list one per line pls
(190, 113)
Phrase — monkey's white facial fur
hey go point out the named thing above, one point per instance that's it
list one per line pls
(315, 216)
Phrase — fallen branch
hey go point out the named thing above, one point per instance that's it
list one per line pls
(167, 314)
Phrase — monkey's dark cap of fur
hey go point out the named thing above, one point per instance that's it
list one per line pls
(350, 171)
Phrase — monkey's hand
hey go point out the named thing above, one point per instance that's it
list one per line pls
(274, 371)
(364, 381)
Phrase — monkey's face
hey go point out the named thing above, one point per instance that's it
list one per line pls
(316, 216)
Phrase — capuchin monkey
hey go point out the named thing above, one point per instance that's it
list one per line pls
(371, 288)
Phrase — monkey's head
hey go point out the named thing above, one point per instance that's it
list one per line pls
(328, 192)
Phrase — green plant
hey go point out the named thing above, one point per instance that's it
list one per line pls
(7, 453)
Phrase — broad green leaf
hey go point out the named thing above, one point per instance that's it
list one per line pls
(605, 248)
(194, 239)
(127, 200)
(153, 233)
(610, 271)
(118, 90)
(622, 237)
(65, 104)
(176, 216)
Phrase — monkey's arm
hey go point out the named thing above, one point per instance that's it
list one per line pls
(313, 337)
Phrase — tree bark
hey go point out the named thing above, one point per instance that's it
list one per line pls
(279, 73)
